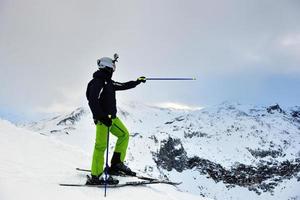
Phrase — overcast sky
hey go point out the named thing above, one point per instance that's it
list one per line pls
(239, 50)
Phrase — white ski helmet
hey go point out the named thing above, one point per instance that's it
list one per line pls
(108, 62)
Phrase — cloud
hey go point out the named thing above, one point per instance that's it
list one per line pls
(291, 40)
(55, 108)
(49, 48)
(177, 106)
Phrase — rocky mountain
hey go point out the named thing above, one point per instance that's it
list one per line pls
(227, 151)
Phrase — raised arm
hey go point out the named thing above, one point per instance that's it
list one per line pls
(129, 84)
(125, 86)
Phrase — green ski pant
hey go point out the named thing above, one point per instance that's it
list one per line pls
(119, 130)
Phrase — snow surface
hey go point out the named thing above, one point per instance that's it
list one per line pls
(222, 134)
(32, 166)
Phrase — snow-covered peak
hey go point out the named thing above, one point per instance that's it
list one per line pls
(222, 142)
(60, 123)
(177, 106)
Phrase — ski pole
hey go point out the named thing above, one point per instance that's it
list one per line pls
(170, 79)
(106, 163)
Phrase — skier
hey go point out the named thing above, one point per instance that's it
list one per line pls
(101, 96)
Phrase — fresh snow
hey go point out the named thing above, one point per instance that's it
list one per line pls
(32, 166)
(222, 134)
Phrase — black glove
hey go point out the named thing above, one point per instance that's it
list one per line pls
(106, 121)
(142, 79)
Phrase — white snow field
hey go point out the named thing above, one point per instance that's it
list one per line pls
(33, 165)
(227, 134)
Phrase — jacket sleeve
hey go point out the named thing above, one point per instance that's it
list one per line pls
(125, 86)
(93, 94)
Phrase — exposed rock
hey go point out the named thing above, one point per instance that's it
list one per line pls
(152, 137)
(134, 134)
(72, 118)
(260, 153)
(180, 118)
(294, 198)
(274, 108)
(170, 122)
(55, 131)
(171, 155)
(177, 119)
(295, 114)
(190, 134)
(123, 113)
(261, 178)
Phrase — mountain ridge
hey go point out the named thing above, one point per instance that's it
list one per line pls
(224, 143)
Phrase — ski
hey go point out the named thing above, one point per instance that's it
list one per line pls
(131, 183)
(123, 175)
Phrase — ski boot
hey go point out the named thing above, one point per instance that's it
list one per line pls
(99, 180)
(118, 167)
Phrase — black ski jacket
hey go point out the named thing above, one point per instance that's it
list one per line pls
(101, 94)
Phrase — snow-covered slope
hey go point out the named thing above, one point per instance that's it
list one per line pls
(229, 151)
(32, 166)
